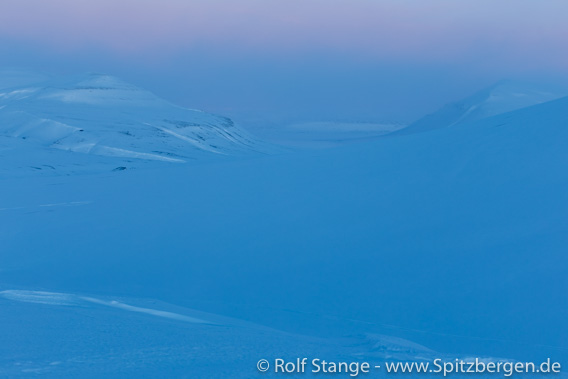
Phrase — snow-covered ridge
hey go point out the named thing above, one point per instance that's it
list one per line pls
(503, 97)
(105, 116)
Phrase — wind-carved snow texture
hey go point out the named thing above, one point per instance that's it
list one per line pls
(104, 116)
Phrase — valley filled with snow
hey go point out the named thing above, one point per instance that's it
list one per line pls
(142, 239)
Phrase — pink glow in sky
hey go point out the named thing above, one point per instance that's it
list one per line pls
(345, 59)
(521, 31)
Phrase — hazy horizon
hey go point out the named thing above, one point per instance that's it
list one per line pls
(310, 60)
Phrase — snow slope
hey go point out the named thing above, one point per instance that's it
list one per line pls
(104, 116)
(98, 337)
(449, 243)
(502, 97)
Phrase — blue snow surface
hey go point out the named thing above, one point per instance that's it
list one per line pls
(445, 244)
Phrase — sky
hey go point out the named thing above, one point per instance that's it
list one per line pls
(271, 61)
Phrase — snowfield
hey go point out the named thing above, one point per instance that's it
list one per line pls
(449, 243)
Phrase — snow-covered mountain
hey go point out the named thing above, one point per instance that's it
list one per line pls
(101, 115)
(505, 96)
(448, 243)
